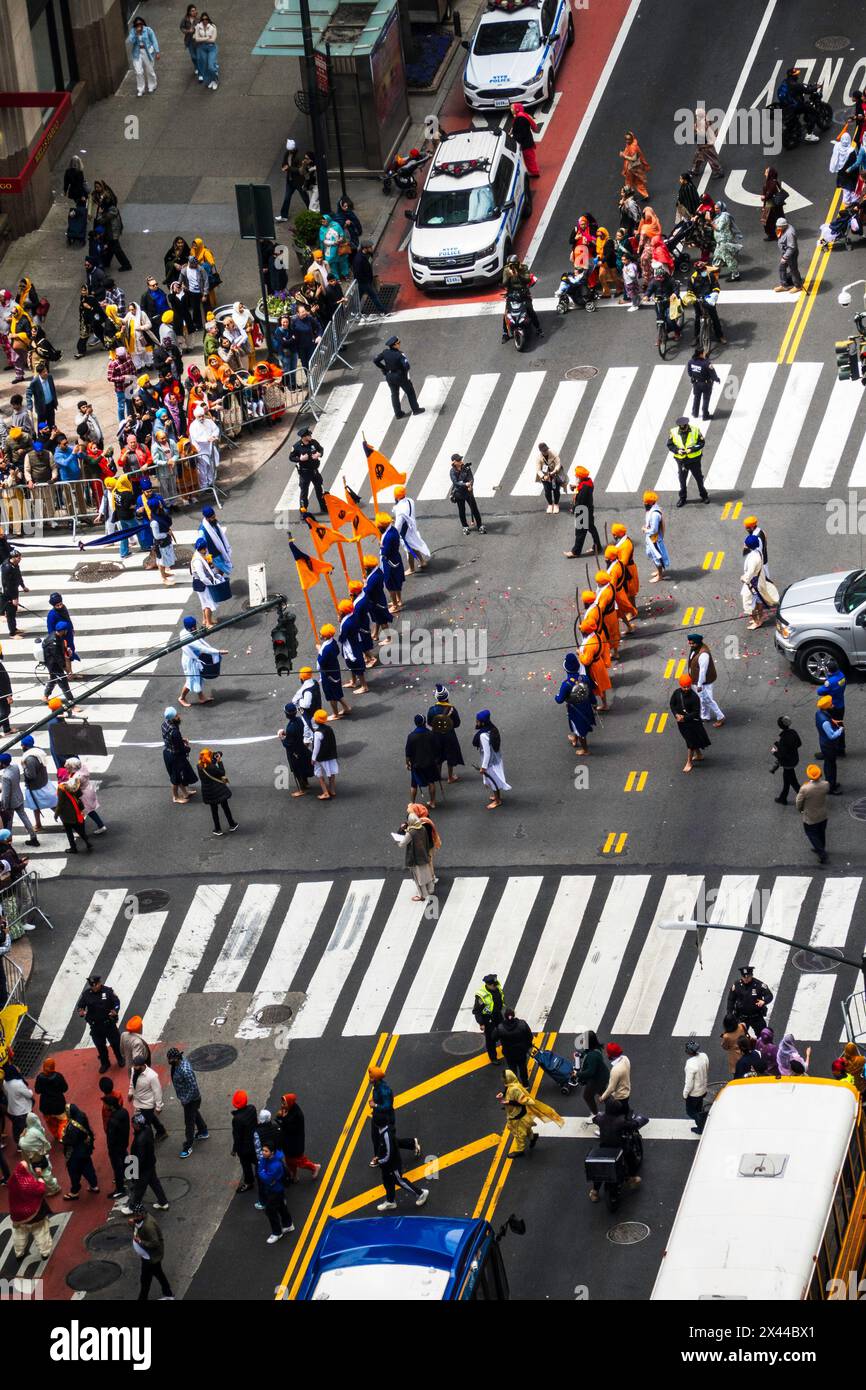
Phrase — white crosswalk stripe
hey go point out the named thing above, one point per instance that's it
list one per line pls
(573, 951)
(615, 425)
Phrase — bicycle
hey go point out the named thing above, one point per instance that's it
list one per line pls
(705, 329)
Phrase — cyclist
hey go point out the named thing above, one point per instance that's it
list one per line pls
(704, 284)
(663, 290)
(791, 96)
(518, 278)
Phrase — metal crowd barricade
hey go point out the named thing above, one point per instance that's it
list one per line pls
(19, 904)
(327, 351)
(854, 1014)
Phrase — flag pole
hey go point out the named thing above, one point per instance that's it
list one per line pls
(333, 594)
(343, 561)
(312, 619)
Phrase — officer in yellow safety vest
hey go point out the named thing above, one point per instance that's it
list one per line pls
(686, 443)
(487, 1010)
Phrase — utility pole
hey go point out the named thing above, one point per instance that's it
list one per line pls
(316, 105)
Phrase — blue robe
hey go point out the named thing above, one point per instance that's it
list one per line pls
(362, 616)
(61, 615)
(581, 718)
(350, 645)
(374, 589)
(391, 560)
(328, 662)
(447, 745)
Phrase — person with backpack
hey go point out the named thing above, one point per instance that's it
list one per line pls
(576, 694)
(57, 655)
(78, 1142)
(443, 721)
(12, 797)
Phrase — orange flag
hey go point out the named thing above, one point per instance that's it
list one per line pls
(309, 569)
(342, 513)
(382, 472)
(323, 536)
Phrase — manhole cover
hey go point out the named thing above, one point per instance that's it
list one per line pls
(628, 1233)
(175, 1188)
(833, 42)
(274, 1013)
(464, 1044)
(148, 899)
(94, 1275)
(815, 965)
(105, 1239)
(213, 1056)
(95, 571)
(857, 809)
(581, 373)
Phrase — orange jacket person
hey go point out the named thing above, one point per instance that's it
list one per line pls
(590, 657)
(625, 553)
(606, 599)
(618, 578)
(593, 614)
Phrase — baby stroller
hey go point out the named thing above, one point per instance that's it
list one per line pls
(676, 244)
(76, 225)
(847, 225)
(559, 1069)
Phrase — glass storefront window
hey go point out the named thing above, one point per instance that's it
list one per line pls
(53, 45)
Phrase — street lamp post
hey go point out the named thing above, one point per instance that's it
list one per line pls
(317, 114)
(699, 927)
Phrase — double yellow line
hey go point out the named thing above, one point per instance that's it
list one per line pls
(332, 1178)
(805, 301)
(500, 1167)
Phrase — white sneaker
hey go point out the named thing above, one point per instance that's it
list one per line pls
(425, 1193)
(287, 1230)
(812, 139)
(387, 1206)
(272, 1239)
(633, 308)
(281, 219)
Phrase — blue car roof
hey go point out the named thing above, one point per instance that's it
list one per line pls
(441, 1242)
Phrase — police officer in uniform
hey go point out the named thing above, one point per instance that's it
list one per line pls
(306, 454)
(487, 1011)
(394, 364)
(748, 999)
(686, 443)
(702, 376)
(100, 1006)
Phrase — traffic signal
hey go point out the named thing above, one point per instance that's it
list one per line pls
(284, 640)
(847, 360)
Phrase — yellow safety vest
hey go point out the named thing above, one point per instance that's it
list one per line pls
(691, 447)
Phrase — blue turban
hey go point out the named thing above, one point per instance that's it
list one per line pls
(483, 716)
(5, 759)
(190, 623)
(752, 542)
(420, 721)
(571, 663)
(170, 712)
(290, 710)
(27, 741)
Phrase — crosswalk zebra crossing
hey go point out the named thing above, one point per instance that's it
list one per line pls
(116, 619)
(573, 950)
(615, 425)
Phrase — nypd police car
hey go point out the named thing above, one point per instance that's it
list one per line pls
(516, 50)
(465, 224)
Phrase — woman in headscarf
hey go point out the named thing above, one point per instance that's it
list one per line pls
(489, 744)
(35, 1147)
(768, 1050)
(725, 242)
(51, 1087)
(39, 794)
(117, 508)
(844, 164)
(29, 1212)
(788, 1060)
(245, 323)
(523, 127)
(205, 257)
(732, 1030)
(412, 837)
(196, 392)
(81, 783)
(575, 693)
(853, 1061)
(687, 198)
(215, 789)
(634, 165)
(608, 272)
(415, 808)
(521, 1112)
(175, 755)
(69, 812)
(137, 335)
(444, 721)
(660, 256)
(176, 257)
(297, 749)
(331, 238)
(648, 227)
(686, 709)
(773, 197)
(757, 592)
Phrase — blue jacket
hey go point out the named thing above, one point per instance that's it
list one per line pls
(185, 1082)
(284, 341)
(827, 735)
(146, 41)
(68, 467)
(834, 686)
(272, 1175)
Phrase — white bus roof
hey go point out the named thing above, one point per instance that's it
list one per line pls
(744, 1237)
(388, 1282)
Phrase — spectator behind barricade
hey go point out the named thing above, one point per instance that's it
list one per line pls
(286, 349)
(39, 472)
(308, 333)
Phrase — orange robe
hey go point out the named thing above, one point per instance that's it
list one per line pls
(593, 615)
(590, 656)
(616, 571)
(606, 601)
(625, 551)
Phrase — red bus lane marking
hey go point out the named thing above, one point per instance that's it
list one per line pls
(598, 32)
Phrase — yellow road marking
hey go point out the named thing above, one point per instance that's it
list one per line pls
(500, 1150)
(676, 668)
(805, 301)
(650, 724)
(620, 844)
(374, 1194)
(506, 1166)
(713, 559)
(663, 719)
(738, 507)
(442, 1078)
(717, 563)
(641, 781)
(692, 615)
(636, 781)
(609, 843)
(629, 781)
(337, 1165)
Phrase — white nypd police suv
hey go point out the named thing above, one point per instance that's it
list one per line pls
(465, 224)
(517, 48)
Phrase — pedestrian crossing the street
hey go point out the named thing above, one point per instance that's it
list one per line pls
(116, 620)
(572, 950)
(615, 425)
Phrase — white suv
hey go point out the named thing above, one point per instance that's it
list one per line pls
(517, 48)
(474, 197)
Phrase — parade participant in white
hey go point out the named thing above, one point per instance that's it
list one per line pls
(407, 527)
(204, 433)
(191, 661)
